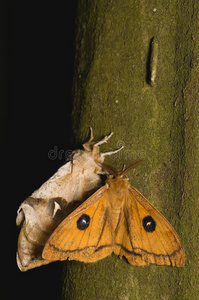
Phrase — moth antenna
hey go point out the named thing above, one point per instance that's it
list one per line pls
(112, 152)
(104, 140)
(110, 170)
(131, 166)
(124, 168)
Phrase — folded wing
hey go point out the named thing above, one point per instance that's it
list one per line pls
(146, 236)
(86, 234)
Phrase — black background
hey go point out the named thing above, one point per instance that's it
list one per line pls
(37, 63)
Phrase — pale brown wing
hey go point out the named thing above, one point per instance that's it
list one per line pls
(86, 234)
(144, 236)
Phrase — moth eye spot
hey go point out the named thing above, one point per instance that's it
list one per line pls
(149, 224)
(83, 222)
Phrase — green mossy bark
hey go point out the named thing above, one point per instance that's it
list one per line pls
(160, 124)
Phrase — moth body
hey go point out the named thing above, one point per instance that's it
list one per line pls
(116, 196)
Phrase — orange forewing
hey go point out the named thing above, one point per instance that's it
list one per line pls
(67, 241)
(116, 219)
(161, 247)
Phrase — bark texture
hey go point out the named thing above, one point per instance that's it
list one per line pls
(159, 123)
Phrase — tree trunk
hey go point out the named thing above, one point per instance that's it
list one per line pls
(157, 121)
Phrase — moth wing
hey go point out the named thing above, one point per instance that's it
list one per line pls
(150, 238)
(90, 244)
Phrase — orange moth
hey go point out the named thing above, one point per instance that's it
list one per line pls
(116, 219)
(42, 212)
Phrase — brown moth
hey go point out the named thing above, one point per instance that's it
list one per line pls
(43, 211)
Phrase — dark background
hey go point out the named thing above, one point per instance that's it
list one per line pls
(37, 63)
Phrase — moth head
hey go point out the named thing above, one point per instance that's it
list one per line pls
(113, 173)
